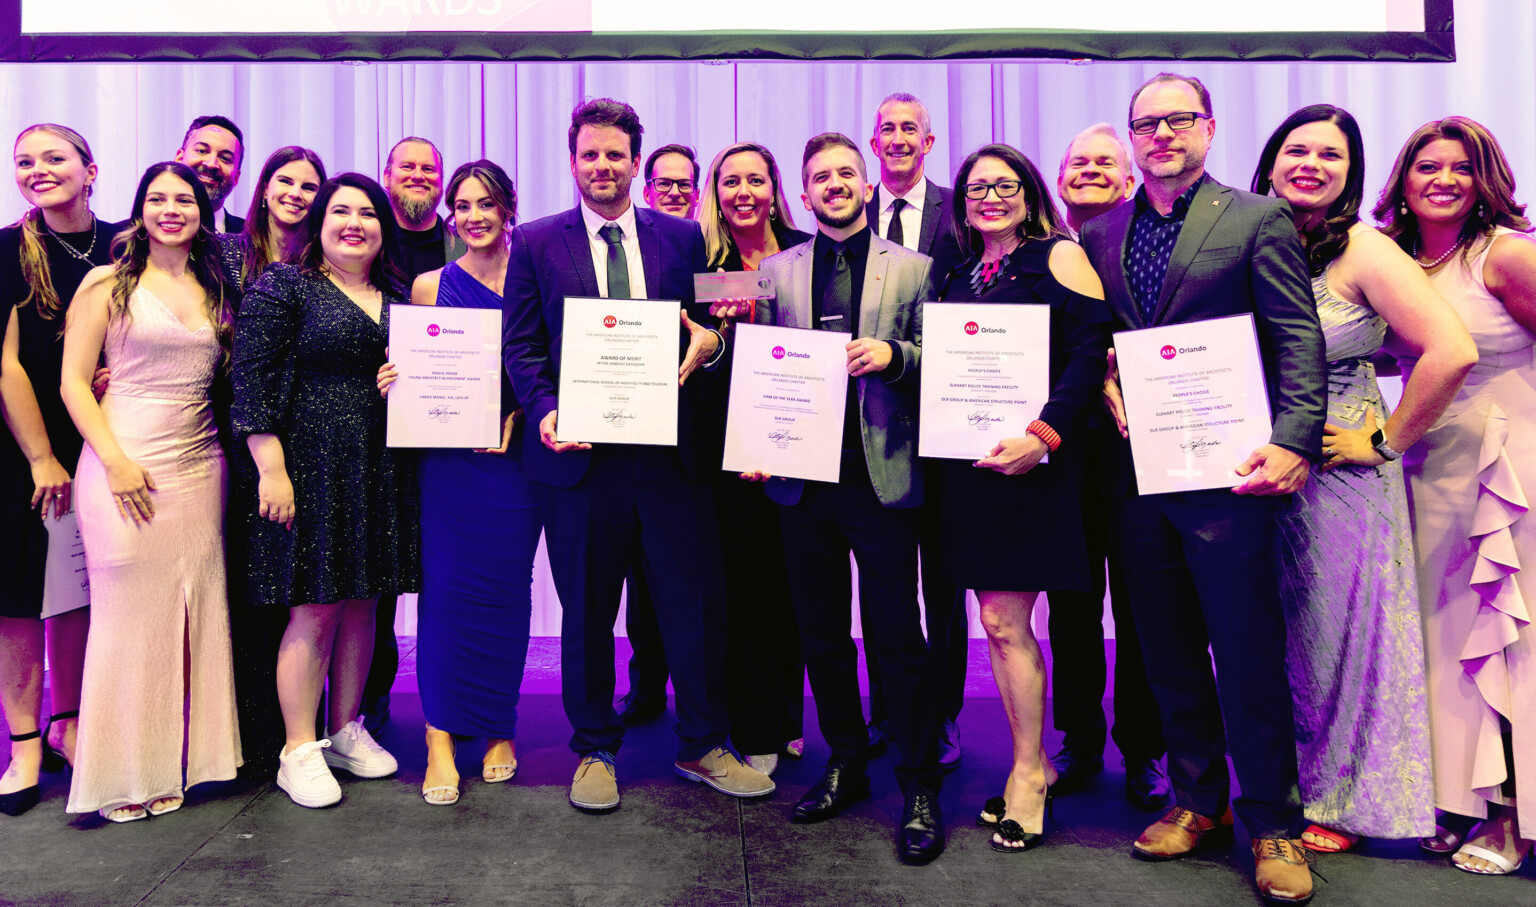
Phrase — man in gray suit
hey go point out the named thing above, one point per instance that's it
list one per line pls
(849, 280)
(1200, 566)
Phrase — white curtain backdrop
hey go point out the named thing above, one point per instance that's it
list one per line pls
(517, 114)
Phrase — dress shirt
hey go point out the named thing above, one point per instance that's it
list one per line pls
(911, 215)
(599, 246)
(1151, 246)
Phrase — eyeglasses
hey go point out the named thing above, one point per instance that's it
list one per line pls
(1003, 188)
(1178, 122)
(664, 185)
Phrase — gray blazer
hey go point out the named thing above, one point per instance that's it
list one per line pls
(896, 283)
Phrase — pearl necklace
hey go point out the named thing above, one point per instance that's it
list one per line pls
(83, 256)
(1436, 263)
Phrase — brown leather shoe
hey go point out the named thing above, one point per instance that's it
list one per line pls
(1282, 870)
(1178, 833)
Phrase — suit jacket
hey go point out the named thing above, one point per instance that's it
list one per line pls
(896, 283)
(232, 224)
(551, 259)
(936, 238)
(1237, 253)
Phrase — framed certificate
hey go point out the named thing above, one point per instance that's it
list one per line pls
(1195, 402)
(618, 371)
(66, 587)
(789, 387)
(449, 390)
(986, 375)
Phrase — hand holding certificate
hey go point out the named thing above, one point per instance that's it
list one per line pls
(986, 376)
(788, 388)
(448, 393)
(619, 371)
(1195, 401)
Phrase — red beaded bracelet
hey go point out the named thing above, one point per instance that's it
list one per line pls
(1045, 433)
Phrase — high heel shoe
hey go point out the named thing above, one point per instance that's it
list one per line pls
(53, 760)
(440, 794)
(1015, 839)
(19, 801)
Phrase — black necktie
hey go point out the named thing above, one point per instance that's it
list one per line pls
(837, 299)
(618, 262)
(894, 232)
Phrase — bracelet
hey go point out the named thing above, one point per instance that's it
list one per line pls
(1045, 433)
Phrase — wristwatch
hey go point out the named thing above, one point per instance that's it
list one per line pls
(1379, 441)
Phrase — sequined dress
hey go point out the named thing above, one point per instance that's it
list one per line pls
(1355, 646)
(1471, 481)
(305, 369)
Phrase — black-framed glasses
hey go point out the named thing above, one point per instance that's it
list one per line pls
(1178, 122)
(1003, 188)
(663, 184)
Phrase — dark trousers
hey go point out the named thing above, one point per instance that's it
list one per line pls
(386, 651)
(1200, 570)
(944, 603)
(1078, 668)
(648, 657)
(637, 503)
(819, 532)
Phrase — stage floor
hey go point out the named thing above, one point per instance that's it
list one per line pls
(670, 843)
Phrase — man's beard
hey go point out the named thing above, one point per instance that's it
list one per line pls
(217, 190)
(414, 211)
(837, 223)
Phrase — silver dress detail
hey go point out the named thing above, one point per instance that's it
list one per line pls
(1355, 652)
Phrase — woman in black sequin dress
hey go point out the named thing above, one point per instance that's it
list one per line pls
(334, 523)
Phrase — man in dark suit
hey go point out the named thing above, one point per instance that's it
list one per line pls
(1095, 178)
(913, 211)
(849, 280)
(607, 504)
(214, 148)
(1200, 567)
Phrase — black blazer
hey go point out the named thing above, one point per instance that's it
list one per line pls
(1237, 253)
(551, 259)
(936, 239)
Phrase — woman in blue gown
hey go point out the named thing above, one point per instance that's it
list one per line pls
(479, 526)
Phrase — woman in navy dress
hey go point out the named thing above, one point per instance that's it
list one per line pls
(1011, 525)
(480, 526)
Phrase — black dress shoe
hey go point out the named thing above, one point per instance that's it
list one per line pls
(949, 746)
(1146, 787)
(637, 709)
(1073, 769)
(840, 785)
(921, 836)
(879, 738)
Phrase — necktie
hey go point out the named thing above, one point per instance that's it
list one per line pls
(618, 262)
(894, 232)
(838, 297)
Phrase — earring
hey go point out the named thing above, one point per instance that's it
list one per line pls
(1402, 207)
(1482, 211)
(773, 211)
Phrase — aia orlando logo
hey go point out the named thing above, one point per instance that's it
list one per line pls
(433, 330)
(972, 327)
(610, 321)
(1169, 352)
(778, 352)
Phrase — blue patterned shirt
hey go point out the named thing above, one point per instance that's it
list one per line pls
(1151, 245)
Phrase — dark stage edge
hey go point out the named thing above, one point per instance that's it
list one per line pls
(670, 843)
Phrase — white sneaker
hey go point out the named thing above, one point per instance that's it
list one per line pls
(765, 764)
(304, 776)
(353, 749)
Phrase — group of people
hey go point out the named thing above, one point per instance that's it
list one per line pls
(192, 392)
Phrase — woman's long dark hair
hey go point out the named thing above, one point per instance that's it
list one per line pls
(257, 236)
(1326, 241)
(130, 248)
(384, 272)
(1041, 219)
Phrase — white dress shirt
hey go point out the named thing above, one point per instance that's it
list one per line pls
(911, 215)
(631, 243)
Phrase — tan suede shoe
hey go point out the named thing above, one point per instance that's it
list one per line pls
(1282, 870)
(596, 785)
(720, 769)
(1178, 833)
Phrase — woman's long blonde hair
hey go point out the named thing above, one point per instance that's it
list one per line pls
(717, 230)
(34, 253)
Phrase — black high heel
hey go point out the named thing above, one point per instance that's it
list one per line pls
(1015, 839)
(17, 802)
(53, 760)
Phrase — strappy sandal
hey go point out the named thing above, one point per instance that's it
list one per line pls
(19, 801)
(1446, 839)
(992, 812)
(451, 789)
(141, 813)
(54, 760)
(1503, 865)
(164, 810)
(488, 768)
(1341, 840)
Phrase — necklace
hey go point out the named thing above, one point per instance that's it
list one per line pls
(1436, 263)
(83, 256)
